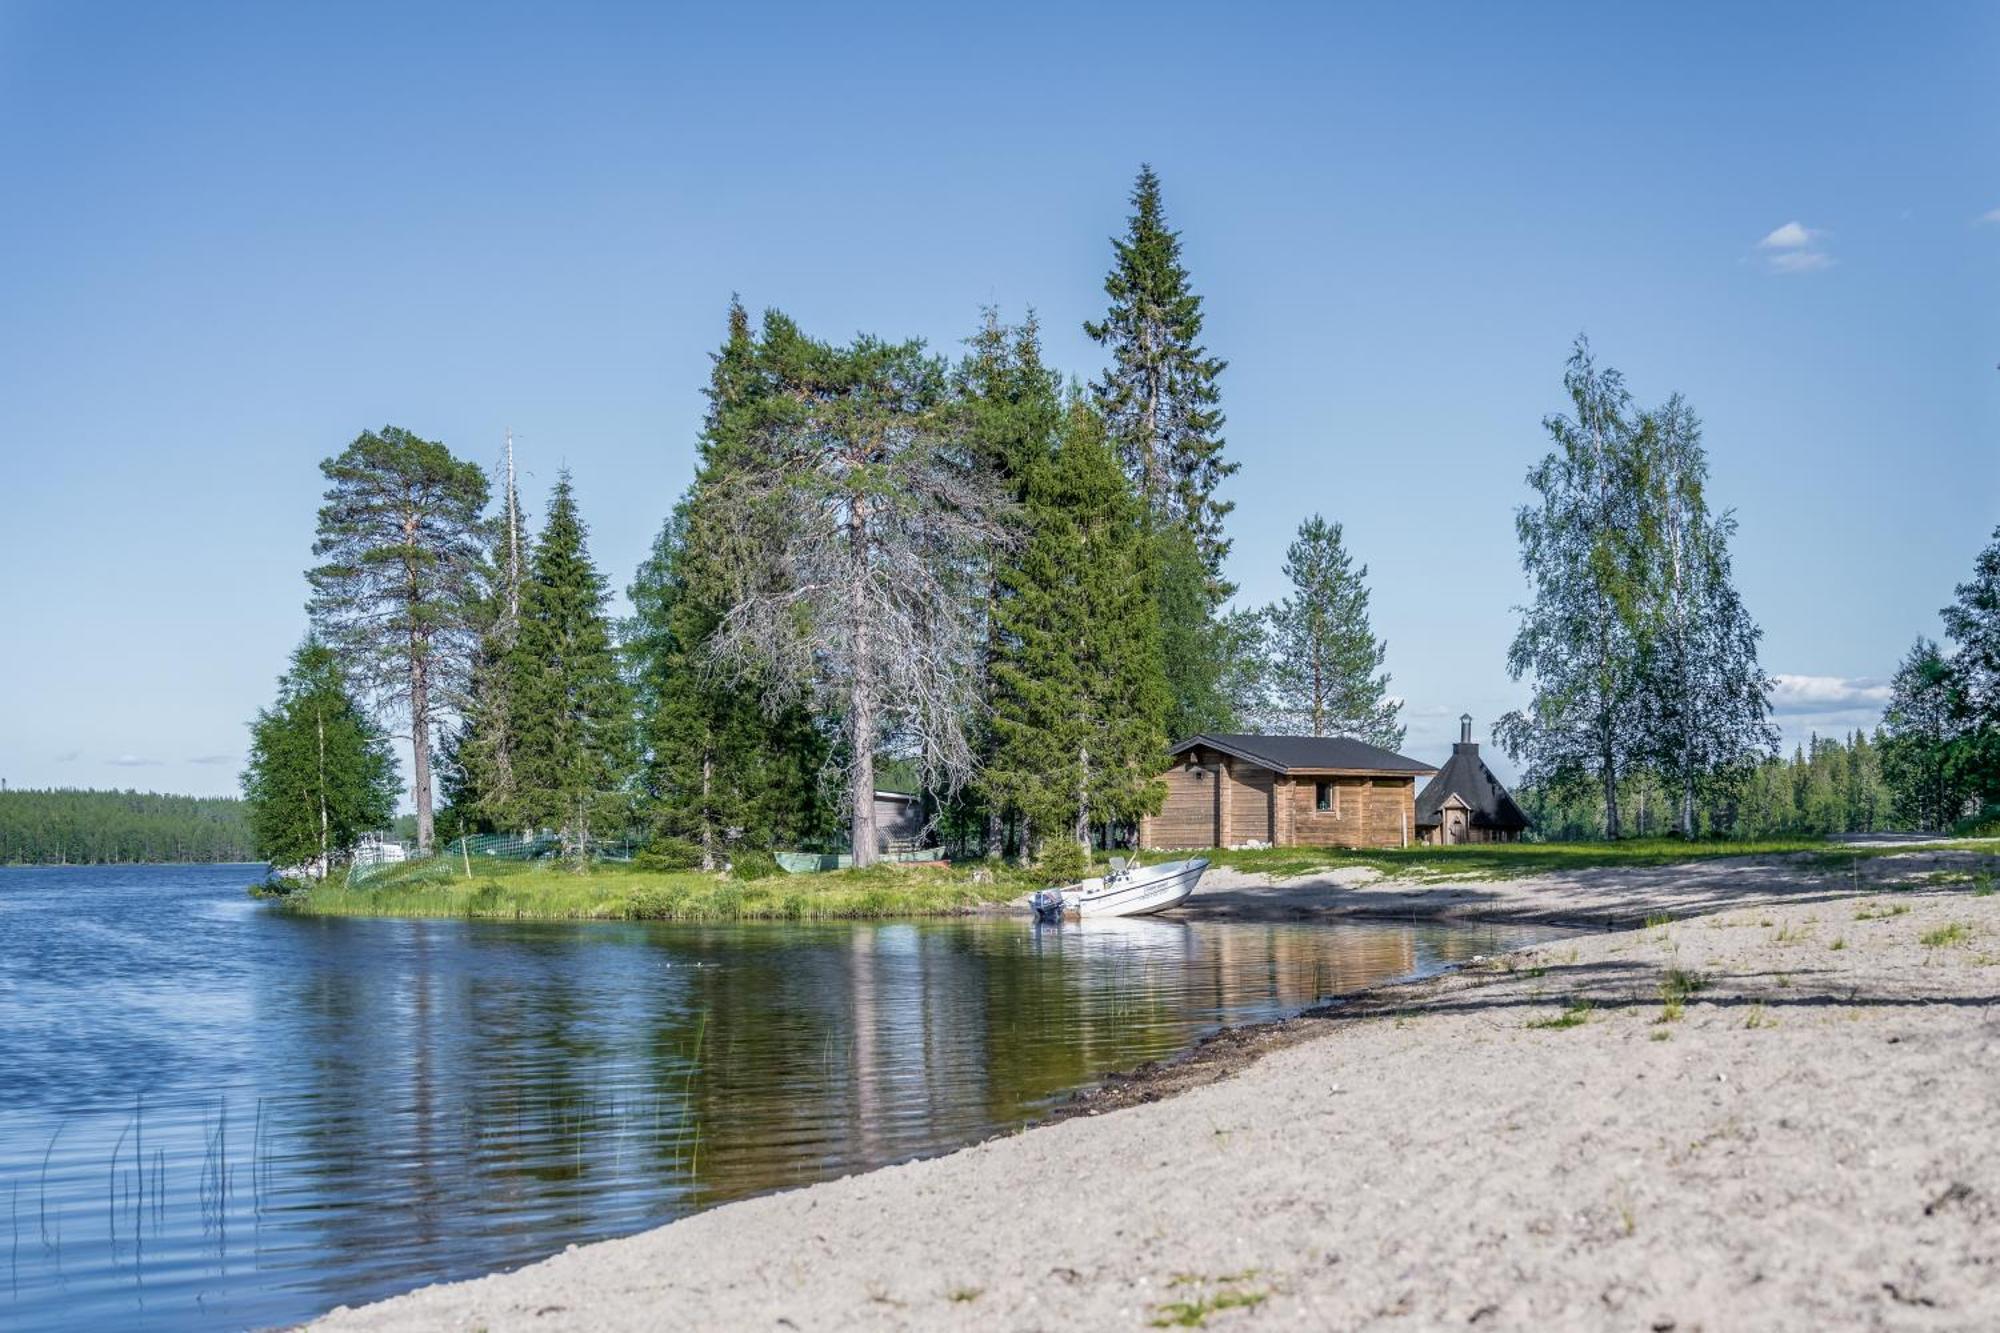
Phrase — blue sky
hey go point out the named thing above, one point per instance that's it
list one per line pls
(233, 237)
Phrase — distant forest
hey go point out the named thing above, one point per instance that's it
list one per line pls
(66, 826)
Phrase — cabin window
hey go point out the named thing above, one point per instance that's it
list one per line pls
(1326, 798)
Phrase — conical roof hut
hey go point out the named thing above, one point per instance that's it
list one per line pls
(1465, 802)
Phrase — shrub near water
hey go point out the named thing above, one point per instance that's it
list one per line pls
(509, 890)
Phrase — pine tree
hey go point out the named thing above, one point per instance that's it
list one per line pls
(1078, 689)
(1325, 667)
(1159, 394)
(859, 533)
(573, 715)
(396, 594)
(1582, 639)
(320, 772)
(718, 770)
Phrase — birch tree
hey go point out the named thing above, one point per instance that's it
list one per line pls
(1582, 637)
(1704, 701)
(395, 596)
(861, 524)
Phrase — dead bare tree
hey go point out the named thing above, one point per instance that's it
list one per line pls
(862, 524)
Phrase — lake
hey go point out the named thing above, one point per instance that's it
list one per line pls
(217, 1115)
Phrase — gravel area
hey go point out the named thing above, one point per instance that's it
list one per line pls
(1778, 1114)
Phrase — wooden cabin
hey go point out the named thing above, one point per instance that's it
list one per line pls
(1465, 802)
(1229, 790)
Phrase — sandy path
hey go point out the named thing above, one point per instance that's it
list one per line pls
(1810, 1145)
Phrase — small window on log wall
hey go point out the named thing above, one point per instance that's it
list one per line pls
(1326, 798)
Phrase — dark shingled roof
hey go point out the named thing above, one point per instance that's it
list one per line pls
(1286, 753)
(1466, 776)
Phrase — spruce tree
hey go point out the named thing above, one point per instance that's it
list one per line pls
(476, 763)
(572, 710)
(1325, 668)
(1013, 410)
(1079, 694)
(396, 594)
(1159, 395)
(718, 771)
(320, 773)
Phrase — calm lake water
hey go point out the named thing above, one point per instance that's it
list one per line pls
(214, 1115)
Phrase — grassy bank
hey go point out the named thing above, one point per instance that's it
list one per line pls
(539, 891)
(1515, 860)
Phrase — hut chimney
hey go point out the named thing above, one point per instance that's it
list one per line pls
(1465, 728)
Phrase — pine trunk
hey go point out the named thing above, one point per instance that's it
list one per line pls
(420, 749)
(862, 799)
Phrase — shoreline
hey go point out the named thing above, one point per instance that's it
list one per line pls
(1776, 1112)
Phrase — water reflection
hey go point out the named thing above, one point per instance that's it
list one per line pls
(214, 1114)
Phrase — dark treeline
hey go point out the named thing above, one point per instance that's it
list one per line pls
(71, 826)
(1007, 584)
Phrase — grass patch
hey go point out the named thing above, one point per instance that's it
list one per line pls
(1944, 937)
(1510, 860)
(1194, 1311)
(1574, 1015)
(507, 890)
(1758, 1018)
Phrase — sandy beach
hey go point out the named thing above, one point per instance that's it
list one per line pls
(1775, 1111)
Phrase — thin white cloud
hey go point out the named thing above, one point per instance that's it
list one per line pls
(133, 761)
(1791, 236)
(1826, 694)
(1990, 215)
(69, 756)
(213, 759)
(1795, 248)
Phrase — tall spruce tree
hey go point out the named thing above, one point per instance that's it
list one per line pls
(1013, 410)
(572, 711)
(1583, 637)
(1325, 668)
(1078, 690)
(1159, 395)
(1703, 700)
(476, 764)
(320, 773)
(1161, 402)
(397, 592)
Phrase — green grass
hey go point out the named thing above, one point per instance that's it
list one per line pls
(1957, 932)
(540, 891)
(1574, 1015)
(1194, 1312)
(1512, 860)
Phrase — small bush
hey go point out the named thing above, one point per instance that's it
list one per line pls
(664, 854)
(1985, 824)
(751, 864)
(1063, 861)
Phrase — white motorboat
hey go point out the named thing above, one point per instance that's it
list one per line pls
(1135, 890)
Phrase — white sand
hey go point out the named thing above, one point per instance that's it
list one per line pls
(1811, 1145)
